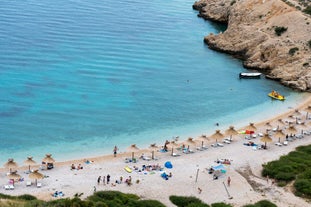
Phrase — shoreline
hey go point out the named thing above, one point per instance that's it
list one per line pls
(61, 178)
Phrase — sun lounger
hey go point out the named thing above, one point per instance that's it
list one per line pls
(254, 136)
(285, 143)
(278, 144)
(11, 187)
(146, 158)
(39, 185)
(219, 144)
(226, 141)
(175, 154)
(6, 187)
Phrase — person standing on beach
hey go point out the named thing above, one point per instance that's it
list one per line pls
(115, 149)
(98, 180)
(229, 181)
(108, 179)
(104, 180)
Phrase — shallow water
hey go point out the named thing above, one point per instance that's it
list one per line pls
(79, 77)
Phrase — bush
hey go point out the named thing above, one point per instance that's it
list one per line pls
(183, 201)
(280, 30)
(262, 203)
(303, 187)
(293, 50)
(307, 10)
(220, 205)
(27, 197)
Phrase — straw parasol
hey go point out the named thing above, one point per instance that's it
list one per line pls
(308, 110)
(153, 147)
(14, 176)
(133, 148)
(303, 127)
(280, 123)
(230, 132)
(189, 142)
(172, 145)
(266, 139)
(268, 126)
(251, 127)
(279, 134)
(217, 135)
(36, 175)
(203, 138)
(296, 112)
(48, 159)
(291, 129)
(10, 164)
(29, 162)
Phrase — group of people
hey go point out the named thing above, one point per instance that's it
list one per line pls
(79, 167)
(104, 179)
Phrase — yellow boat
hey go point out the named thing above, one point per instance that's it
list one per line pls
(276, 95)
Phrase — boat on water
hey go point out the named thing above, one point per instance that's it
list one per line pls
(276, 95)
(250, 75)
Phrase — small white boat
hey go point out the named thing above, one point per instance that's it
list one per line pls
(250, 75)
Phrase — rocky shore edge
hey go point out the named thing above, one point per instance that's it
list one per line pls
(268, 35)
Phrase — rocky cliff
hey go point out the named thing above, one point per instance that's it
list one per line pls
(268, 35)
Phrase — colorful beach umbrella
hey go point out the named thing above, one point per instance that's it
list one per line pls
(217, 135)
(231, 132)
(36, 175)
(29, 162)
(133, 148)
(11, 164)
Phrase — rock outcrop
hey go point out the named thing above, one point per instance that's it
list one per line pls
(251, 36)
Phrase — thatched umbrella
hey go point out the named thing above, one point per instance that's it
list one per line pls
(172, 145)
(308, 110)
(291, 130)
(231, 132)
(29, 162)
(153, 147)
(14, 176)
(280, 123)
(48, 159)
(189, 142)
(268, 126)
(296, 112)
(251, 127)
(203, 138)
(266, 139)
(36, 175)
(279, 134)
(303, 127)
(133, 148)
(217, 135)
(11, 164)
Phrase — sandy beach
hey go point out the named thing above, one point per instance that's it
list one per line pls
(189, 172)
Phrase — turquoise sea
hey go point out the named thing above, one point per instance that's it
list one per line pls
(78, 77)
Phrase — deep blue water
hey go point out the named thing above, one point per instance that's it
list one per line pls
(78, 77)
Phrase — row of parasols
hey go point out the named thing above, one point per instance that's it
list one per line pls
(33, 174)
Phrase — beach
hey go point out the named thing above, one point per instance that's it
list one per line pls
(189, 172)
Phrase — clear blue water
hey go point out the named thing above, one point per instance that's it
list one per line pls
(78, 77)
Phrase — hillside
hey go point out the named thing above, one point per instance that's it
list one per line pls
(268, 35)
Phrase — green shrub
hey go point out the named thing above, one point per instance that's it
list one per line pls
(183, 201)
(26, 197)
(307, 10)
(293, 50)
(220, 205)
(280, 30)
(303, 186)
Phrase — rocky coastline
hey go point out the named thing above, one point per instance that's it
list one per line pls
(268, 35)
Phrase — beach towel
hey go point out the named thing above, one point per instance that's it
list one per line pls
(168, 165)
(128, 169)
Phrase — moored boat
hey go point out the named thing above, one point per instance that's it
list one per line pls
(276, 95)
(250, 75)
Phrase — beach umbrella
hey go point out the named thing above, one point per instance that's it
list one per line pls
(14, 176)
(153, 147)
(29, 162)
(308, 110)
(303, 127)
(133, 148)
(251, 127)
(172, 145)
(266, 139)
(203, 138)
(11, 164)
(296, 113)
(48, 159)
(217, 135)
(291, 118)
(291, 130)
(268, 126)
(231, 132)
(36, 175)
(279, 134)
(280, 123)
(189, 142)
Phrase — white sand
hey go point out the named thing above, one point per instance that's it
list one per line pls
(152, 186)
